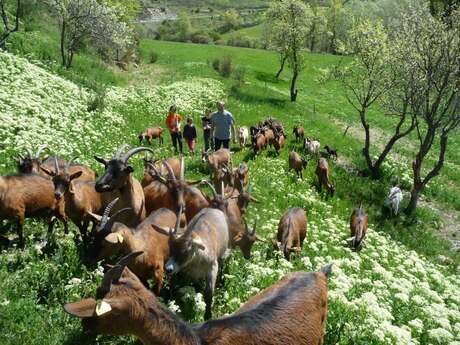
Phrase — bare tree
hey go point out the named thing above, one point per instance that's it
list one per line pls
(8, 29)
(431, 56)
(370, 81)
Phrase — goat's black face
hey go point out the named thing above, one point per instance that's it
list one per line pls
(61, 185)
(115, 175)
(28, 165)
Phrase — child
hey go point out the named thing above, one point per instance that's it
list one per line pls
(206, 122)
(190, 135)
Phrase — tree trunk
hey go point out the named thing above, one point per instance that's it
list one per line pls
(367, 144)
(63, 54)
(283, 61)
(295, 74)
(414, 196)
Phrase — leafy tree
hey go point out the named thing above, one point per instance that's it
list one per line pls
(88, 19)
(318, 24)
(231, 19)
(9, 28)
(289, 23)
(370, 80)
(126, 10)
(430, 55)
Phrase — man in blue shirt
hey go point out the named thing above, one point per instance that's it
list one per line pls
(221, 123)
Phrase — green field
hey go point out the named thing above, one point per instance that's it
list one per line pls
(404, 282)
(254, 32)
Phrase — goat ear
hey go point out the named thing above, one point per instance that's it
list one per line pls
(198, 242)
(114, 238)
(76, 175)
(260, 239)
(82, 309)
(101, 160)
(129, 169)
(238, 237)
(48, 172)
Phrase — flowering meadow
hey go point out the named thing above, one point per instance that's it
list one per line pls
(385, 294)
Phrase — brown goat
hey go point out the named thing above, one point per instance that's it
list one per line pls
(154, 245)
(322, 171)
(80, 197)
(173, 193)
(33, 164)
(217, 159)
(290, 312)
(358, 227)
(260, 143)
(279, 143)
(269, 136)
(29, 196)
(118, 177)
(241, 177)
(234, 205)
(292, 230)
(154, 167)
(299, 133)
(297, 163)
(151, 133)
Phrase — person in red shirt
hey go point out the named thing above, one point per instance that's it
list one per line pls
(173, 122)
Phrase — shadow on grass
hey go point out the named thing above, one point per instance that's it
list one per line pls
(262, 98)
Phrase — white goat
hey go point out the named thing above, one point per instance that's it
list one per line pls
(393, 200)
(312, 146)
(243, 136)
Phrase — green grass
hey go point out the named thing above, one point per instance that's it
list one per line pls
(254, 32)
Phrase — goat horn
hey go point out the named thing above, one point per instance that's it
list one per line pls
(114, 274)
(67, 166)
(108, 225)
(120, 150)
(132, 152)
(222, 191)
(108, 209)
(212, 188)
(39, 151)
(182, 168)
(170, 171)
(253, 232)
(56, 166)
(29, 153)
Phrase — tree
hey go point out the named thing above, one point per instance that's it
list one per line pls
(88, 19)
(318, 24)
(8, 29)
(430, 53)
(231, 19)
(370, 81)
(289, 24)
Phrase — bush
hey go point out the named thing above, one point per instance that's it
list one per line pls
(200, 38)
(216, 65)
(153, 57)
(226, 67)
(239, 74)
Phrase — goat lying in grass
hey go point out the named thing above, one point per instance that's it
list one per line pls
(292, 311)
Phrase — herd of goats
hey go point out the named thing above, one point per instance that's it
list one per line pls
(166, 223)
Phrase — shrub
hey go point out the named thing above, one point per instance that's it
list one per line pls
(200, 38)
(153, 57)
(226, 66)
(239, 74)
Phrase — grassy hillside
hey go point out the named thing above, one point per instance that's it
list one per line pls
(402, 288)
(254, 32)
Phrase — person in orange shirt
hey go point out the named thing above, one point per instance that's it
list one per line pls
(173, 122)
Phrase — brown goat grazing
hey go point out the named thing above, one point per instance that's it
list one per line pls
(358, 227)
(29, 196)
(118, 177)
(299, 133)
(217, 159)
(260, 143)
(297, 163)
(151, 133)
(79, 196)
(222, 178)
(322, 171)
(279, 143)
(154, 245)
(290, 312)
(292, 230)
(153, 169)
